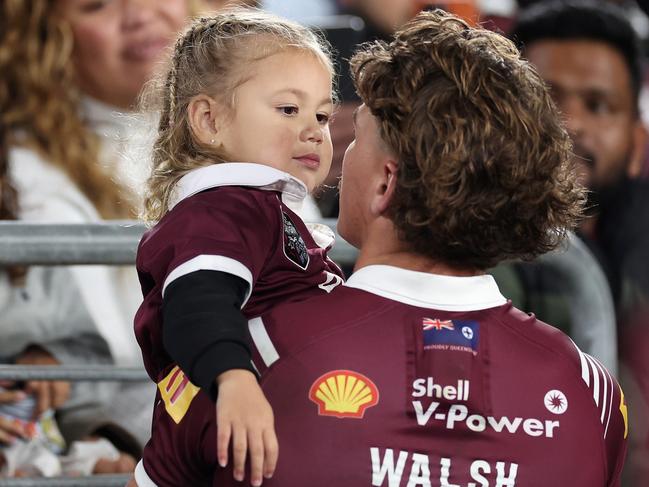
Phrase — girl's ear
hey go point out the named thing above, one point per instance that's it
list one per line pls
(203, 114)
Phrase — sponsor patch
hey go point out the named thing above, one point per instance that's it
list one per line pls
(294, 246)
(556, 401)
(177, 393)
(455, 335)
(343, 394)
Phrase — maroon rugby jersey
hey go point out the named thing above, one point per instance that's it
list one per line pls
(230, 218)
(403, 379)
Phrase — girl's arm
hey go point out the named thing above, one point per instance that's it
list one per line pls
(206, 333)
(204, 330)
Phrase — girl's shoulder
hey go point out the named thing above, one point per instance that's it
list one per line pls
(231, 200)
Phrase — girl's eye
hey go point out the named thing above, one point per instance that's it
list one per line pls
(322, 118)
(93, 5)
(288, 110)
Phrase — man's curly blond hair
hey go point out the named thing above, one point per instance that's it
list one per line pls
(485, 170)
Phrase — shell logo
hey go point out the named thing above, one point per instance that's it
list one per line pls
(343, 394)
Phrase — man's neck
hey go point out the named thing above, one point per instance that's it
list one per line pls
(382, 247)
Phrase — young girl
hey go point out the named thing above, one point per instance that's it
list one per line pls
(243, 133)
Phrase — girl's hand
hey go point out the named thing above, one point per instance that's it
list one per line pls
(244, 415)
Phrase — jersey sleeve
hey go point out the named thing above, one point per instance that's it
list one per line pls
(227, 230)
(611, 411)
(616, 436)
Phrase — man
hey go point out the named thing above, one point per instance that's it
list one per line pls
(589, 54)
(418, 371)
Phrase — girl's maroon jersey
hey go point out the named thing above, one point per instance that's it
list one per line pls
(230, 218)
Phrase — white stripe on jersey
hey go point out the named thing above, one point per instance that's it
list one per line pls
(211, 263)
(605, 384)
(584, 367)
(262, 341)
(593, 373)
(610, 403)
(141, 477)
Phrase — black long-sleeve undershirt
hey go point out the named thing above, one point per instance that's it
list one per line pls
(203, 329)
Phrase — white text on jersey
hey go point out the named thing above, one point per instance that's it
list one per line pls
(459, 413)
(385, 470)
(427, 387)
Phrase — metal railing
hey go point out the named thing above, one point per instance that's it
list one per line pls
(104, 243)
(72, 373)
(90, 481)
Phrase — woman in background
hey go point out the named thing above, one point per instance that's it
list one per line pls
(68, 67)
(43, 323)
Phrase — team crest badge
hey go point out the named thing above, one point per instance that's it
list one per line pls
(177, 393)
(343, 394)
(294, 246)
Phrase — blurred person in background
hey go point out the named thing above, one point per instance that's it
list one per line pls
(43, 322)
(68, 67)
(594, 69)
(589, 54)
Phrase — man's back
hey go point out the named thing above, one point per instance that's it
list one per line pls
(445, 384)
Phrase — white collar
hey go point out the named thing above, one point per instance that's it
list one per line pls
(239, 174)
(444, 293)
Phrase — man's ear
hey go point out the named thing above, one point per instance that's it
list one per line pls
(385, 188)
(204, 114)
(639, 152)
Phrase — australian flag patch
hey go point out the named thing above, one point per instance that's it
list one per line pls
(294, 246)
(455, 335)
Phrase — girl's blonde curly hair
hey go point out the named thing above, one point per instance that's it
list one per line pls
(213, 57)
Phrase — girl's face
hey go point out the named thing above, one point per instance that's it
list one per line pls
(117, 43)
(281, 117)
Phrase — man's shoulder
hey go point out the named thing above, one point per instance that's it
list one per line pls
(535, 338)
(333, 309)
(320, 316)
(543, 349)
